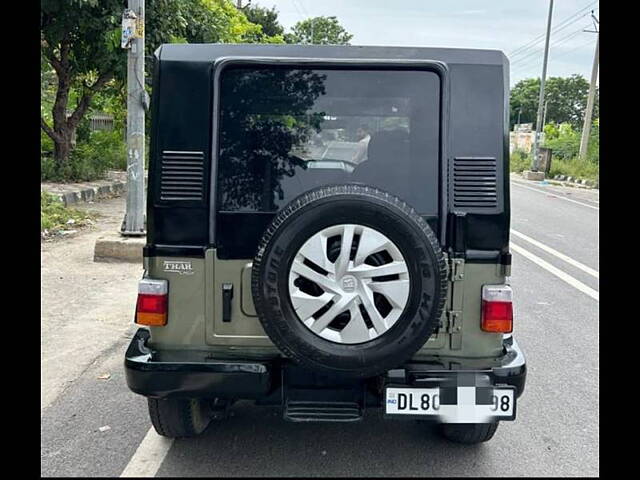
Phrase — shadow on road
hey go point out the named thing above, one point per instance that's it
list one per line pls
(256, 441)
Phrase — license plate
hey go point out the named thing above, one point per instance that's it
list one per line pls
(453, 405)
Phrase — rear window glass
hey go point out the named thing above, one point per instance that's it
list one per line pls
(284, 131)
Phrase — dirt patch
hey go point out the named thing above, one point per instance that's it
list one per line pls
(86, 306)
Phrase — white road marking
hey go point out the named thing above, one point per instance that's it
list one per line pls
(557, 272)
(554, 195)
(149, 456)
(561, 256)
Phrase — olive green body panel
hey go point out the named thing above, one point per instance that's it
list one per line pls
(185, 328)
(195, 318)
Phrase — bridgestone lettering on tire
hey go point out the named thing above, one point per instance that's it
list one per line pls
(349, 279)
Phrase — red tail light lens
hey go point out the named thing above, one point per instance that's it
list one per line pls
(152, 304)
(497, 309)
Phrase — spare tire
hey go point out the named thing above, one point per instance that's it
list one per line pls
(349, 280)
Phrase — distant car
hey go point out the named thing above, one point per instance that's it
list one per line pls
(277, 270)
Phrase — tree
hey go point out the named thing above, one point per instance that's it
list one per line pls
(267, 19)
(566, 99)
(319, 31)
(80, 40)
(569, 103)
(81, 53)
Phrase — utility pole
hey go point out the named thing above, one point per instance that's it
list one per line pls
(586, 127)
(539, 125)
(133, 224)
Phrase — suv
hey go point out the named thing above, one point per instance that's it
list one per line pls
(328, 231)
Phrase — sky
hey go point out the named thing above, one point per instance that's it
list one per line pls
(516, 27)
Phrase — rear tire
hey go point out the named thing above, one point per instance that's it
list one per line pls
(179, 417)
(468, 433)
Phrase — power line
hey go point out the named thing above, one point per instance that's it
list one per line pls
(560, 41)
(525, 62)
(527, 52)
(558, 27)
(535, 64)
(564, 54)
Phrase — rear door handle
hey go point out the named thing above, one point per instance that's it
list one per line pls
(227, 296)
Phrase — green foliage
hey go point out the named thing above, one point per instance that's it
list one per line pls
(566, 100)
(81, 41)
(564, 140)
(575, 168)
(90, 160)
(199, 21)
(319, 31)
(46, 144)
(519, 161)
(88, 28)
(267, 19)
(54, 216)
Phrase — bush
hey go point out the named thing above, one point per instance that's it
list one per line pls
(54, 216)
(563, 140)
(519, 161)
(90, 160)
(565, 143)
(46, 144)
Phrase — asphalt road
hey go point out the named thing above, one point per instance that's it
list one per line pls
(554, 277)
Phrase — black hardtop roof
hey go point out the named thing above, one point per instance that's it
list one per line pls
(209, 52)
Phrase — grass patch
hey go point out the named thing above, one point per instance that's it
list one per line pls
(583, 169)
(572, 167)
(55, 217)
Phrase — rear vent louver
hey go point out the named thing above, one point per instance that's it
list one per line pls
(182, 176)
(475, 183)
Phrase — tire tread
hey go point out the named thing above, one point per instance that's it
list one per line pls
(174, 418)
(468, 433)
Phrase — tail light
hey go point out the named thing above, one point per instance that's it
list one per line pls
(152, 305)
(497, 309)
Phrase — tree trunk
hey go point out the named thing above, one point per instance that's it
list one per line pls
(64, 128)
(61, 151)
(63, 131)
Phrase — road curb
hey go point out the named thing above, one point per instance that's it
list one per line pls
(92, 194)
(114, 185)
(577, 181)
(114, 247)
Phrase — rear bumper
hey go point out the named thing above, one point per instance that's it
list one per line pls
(191, 374)
(509, 369)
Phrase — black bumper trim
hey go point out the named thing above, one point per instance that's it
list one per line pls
(192, 376)
(509, 369)
(160, 379)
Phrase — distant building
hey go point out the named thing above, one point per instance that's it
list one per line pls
(522, 137)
